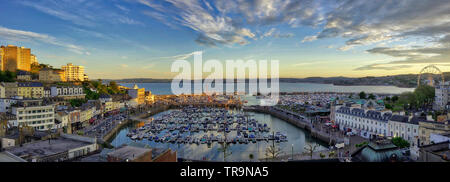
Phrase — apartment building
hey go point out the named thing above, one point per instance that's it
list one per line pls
(34, 113)
(15, 58)
(73, 72)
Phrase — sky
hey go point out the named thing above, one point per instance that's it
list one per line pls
(116, 39)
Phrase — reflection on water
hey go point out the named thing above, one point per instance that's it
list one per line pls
(297, 138)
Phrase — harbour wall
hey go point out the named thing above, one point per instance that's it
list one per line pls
(296, 120)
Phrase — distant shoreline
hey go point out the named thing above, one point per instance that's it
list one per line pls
(169, 81)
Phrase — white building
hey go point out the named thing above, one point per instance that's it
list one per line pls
(73, 73)
(61, 119)
(67, 92)
(5, 104)
(439, 138)
(442, 92)
(408, 129)
(404, 127)
(364, 122)
(34, 113)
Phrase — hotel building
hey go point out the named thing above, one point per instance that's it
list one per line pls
(34, 113)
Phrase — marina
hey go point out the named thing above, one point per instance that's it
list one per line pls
(180, 126)
(247, 135)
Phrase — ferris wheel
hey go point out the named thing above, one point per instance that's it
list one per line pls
(430, 75)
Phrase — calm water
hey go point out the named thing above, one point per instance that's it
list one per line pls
(165, 88)
(239, 152)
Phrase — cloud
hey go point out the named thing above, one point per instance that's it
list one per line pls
(229, 22)
(276, 34)
(309, 39)
(381, 67)
(368, 22)
(27, 36)
(438, 53)
(81, 12)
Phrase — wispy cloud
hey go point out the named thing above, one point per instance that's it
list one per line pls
(81, 12)
(27, 36)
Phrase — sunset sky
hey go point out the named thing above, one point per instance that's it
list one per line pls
(141, 38)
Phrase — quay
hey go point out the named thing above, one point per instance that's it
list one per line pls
(298, 121)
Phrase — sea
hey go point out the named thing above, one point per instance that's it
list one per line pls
(165, 88)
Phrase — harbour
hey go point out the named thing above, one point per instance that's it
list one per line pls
(217, 132)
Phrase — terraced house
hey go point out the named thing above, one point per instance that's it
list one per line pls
(30, 89)
(364, 122)
(67, 92)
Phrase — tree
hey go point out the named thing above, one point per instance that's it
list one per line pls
(424, 95)
(394, 98)
(362, 95)
(77, 102)
(273, 151)
(372, 97)
(400, 142)
(114, 87)
(310, 149)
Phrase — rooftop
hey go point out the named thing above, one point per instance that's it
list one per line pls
(45, 148)
(8, 157)
(129, 152)
(30, 84)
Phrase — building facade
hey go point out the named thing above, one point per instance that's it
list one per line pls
(34, 113)
(52, 75)
(404, 127)
(15, 58)
(67, 92)
(73, 72)
(33, 60)
(366, 123)
(426, 128)
(30, 89)
(10, 89)
(442, 92)
(137, 94)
